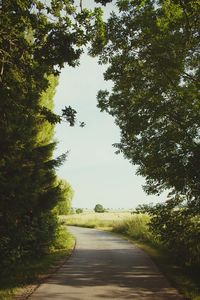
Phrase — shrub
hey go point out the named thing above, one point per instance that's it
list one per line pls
(63, 238)
(65, 197)
(177, 227)
(99, 208)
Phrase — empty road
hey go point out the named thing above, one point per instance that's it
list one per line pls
(104, 266)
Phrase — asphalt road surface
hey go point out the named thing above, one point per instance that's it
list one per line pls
(104, 266)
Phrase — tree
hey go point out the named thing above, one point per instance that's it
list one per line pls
(152, 51)
(37, 39)
(99, 208)
(153, 54)
(65, 199)
(79, 211)
(29, 189)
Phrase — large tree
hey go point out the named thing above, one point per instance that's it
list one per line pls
(37, 39)
(153, 55)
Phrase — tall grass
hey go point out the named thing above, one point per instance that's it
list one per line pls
(136, 227)
(90, 223)
(95, 220)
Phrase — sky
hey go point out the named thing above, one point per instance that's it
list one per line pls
(94, 171)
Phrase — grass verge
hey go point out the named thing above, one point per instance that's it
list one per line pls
(22, 279)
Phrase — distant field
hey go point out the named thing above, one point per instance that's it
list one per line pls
(135, 226)
(94, 220)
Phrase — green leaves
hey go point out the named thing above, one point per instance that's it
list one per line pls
(150, 49)
(177, 228)
(50, 116)
(65, 199)
(152, 55)
(37, 39)
(69, 115)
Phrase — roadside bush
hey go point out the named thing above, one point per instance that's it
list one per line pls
(99, 208)
(28, 238)
(65, 197)
(177, 227)
(43, 233)
(62, 238)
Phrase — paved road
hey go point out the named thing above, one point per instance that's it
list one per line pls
(104, 266)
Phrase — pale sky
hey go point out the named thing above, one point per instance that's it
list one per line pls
(95, 172)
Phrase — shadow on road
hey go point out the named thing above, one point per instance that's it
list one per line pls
(105, 266)
(119, 268)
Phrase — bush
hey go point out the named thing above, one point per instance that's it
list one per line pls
(65, 197)
(99, 208)
(63, 238)
(177, 227)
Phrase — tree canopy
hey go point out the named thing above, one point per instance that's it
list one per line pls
(152, 52)
(153, 55)
(37, 39)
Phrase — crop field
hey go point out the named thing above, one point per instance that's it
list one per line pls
(95, 220)
(135, 225)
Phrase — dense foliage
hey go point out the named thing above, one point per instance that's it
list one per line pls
(173, 226)
(65, 199)
(37, 39)
(28, 180)
(153, 54)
